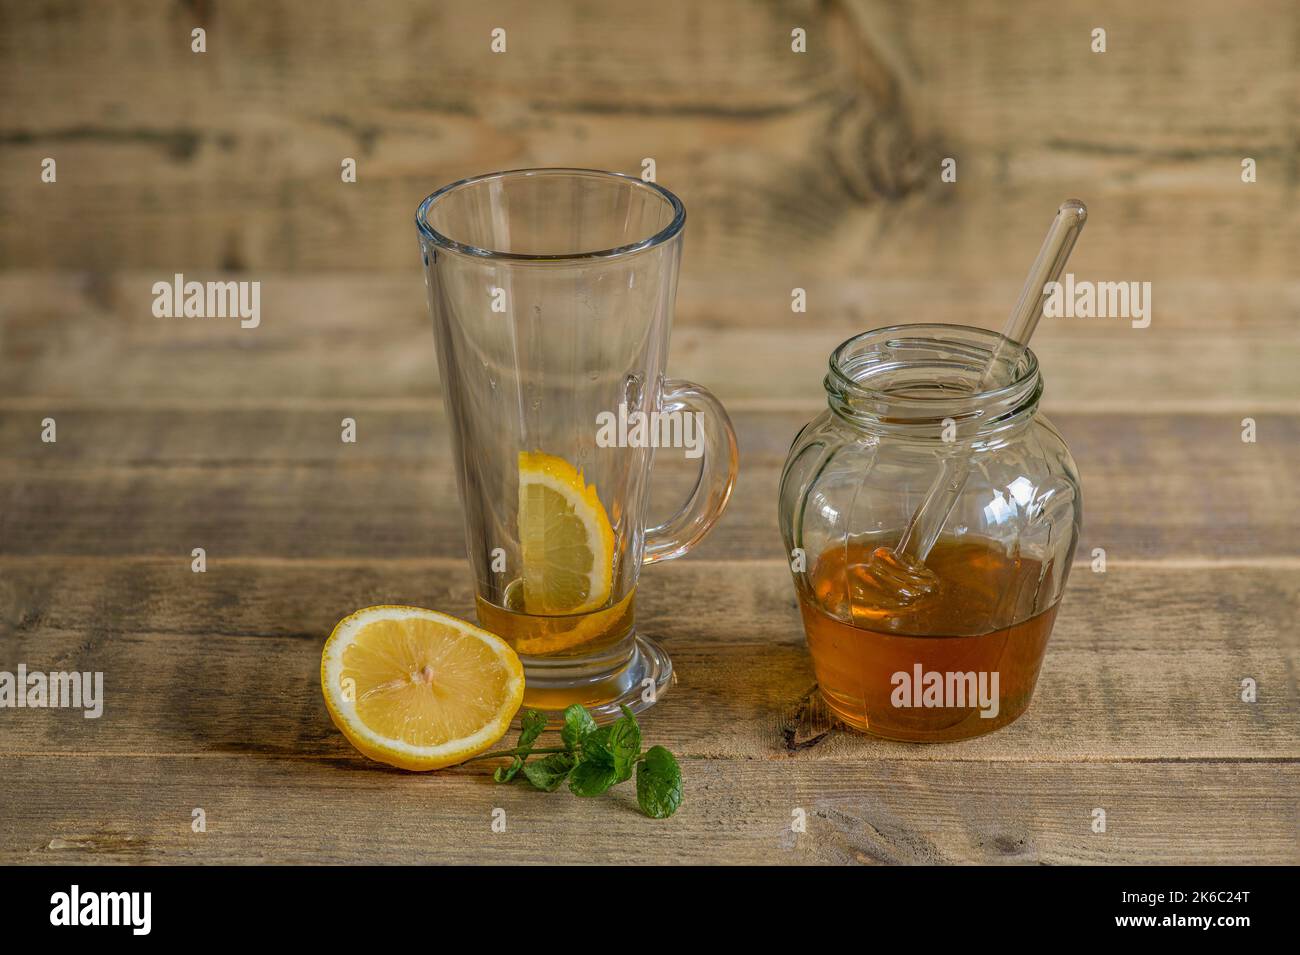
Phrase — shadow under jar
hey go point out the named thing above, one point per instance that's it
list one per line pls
(962, 658)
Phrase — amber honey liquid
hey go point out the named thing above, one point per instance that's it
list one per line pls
(552, 641)
(979, 621)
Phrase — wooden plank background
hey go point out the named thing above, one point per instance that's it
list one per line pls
(816, 170)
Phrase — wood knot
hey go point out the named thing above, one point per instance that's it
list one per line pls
(809, 723)
(876, 153)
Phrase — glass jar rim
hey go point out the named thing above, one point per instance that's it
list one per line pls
(671, 230)
(884, 352)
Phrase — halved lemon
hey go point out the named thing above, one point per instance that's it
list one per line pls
(565, 536)
(418, 689)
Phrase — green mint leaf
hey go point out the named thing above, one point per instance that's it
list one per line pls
(625, 744)
(577, 724)
(549, 772)
(658, 783)
(530, 727)
(596, 747)
(592, 777)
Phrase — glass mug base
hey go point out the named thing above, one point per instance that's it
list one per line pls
(636, 681)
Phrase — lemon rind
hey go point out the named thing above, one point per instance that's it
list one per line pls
(343, 712)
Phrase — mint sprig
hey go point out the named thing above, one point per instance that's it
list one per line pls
(593, 759)
(531, 727)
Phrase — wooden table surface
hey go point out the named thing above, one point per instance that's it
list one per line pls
(818, 173)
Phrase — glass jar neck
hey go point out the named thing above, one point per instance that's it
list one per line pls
(922, 382)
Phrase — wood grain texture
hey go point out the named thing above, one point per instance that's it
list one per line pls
(230, 159)
(138, 810)
(281, 483)
(215, 676)
(94, 335)
(228, 661)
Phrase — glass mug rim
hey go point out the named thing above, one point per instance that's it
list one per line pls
(667, 233)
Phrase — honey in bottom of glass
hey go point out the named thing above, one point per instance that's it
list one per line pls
(551, 641)
(874, 658)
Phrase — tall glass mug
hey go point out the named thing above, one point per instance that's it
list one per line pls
(551, 292)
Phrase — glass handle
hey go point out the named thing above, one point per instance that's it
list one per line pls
(718, 465)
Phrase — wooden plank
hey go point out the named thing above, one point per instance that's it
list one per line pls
(228, 661)
(133, 810)
(281, 483)
(345, 343)
(835, 151)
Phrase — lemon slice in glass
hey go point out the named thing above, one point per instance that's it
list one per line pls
(565, 537)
